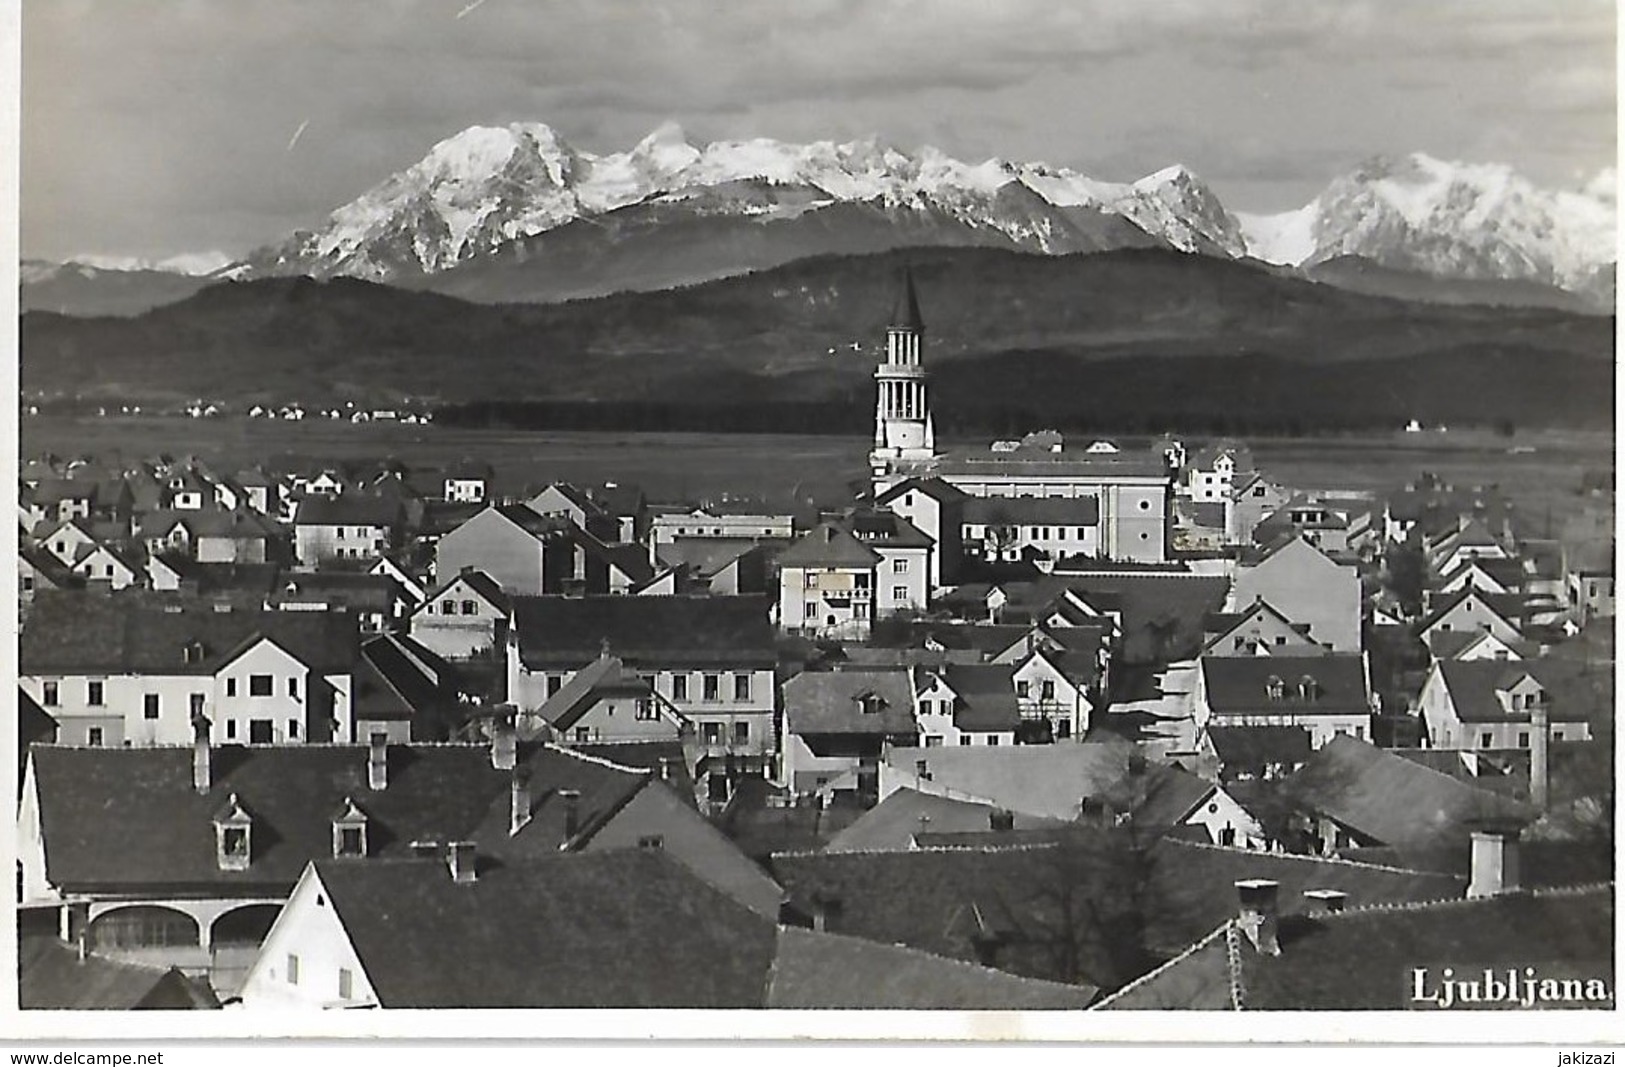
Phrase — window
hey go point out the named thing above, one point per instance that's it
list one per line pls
(293, 969)
(234, 842)
(812, 580)
(555, 682)
(149, 706)
(583, 733)
(1022, 690)
(1046, 690)
(933, 740)
(231, 687)
(899, 566)
(741, 733)
(741, 687)
(94, 737)
(651, 841)
(49, 696)
(448, 607)
(899, 592)
(195, 704)
(1523, 738)
(711, 687)
(992, 739)
(346, 984)
(1484, 739)
(231, 729)
(293, 686)
(351, 842)
(94, 694)
(293, 727)
(259, 685)
(645, 711)
(469, 607)
(964, 739)
(812, 610)
(1557, 735)
(712, 732)
(679, 687)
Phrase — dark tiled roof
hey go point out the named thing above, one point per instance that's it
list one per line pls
(51, 975)
(1509, 606)
(477, 580)
(1573, 693)
(835, 702)
(885, 529)
(130, 818)
(822, 970)
(1029, 463)
(555, 630)
(1032, 511)
(1159, 798)
(987, 696)
(604, 676)
(1311, 685)
(1256, 746)
(1162, 612)
(348, 509)
(1390, 799)
(398, 678)
(1044, 780)
(624, 928)
(532, 523)
(72, 633)
(258, 578)
(829, 544)
(932, 487)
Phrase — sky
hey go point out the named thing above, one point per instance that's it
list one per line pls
(164, 127)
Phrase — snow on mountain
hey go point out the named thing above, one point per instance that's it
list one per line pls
(1459, 219)
(486, 186)
(192, 264)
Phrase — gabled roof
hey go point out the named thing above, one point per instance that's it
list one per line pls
(578, 498)
(1160, 797)
(883, 529)
(1390, 799)
(1162, 613)
(478, 582)
(66, 634)
(986, 696)
(892, 825)
(1506, 607)
(935, 488)
(621, 928)
(398, 678)
(1251, 747)
(1573, 693)
(529, 521)
(1043, 780)
(556, 630)
(829, 544)
(51, 975)
(347, 509)
(1346, 961)
(130, 819)
(1223, 625)
(849, 702)
(1330, 684)
(604, 676)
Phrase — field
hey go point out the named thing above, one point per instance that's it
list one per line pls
(1538, 470)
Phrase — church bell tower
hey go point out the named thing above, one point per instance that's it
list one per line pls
(904, 436)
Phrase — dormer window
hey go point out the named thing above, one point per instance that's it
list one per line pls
(349, 830)
(1307, 689)
(870, 702)
(232, 828)
(1275, 687)
(192, 652)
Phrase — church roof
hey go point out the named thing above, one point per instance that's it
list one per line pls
(906, 312)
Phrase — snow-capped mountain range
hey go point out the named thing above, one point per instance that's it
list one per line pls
(484, 187)
(516, 213)
(1461, 220)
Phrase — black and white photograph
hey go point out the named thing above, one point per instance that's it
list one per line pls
(1022, 519)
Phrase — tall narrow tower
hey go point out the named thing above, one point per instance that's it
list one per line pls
(904, 435)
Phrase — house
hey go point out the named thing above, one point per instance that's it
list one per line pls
(258, 491)
(1590, 587)
(1328, 695)
(350, 526)
(1487, 575)
(712, 658)
(1050, 781)
(841, 724)
(467, 482)
(102, 564)
(1308, 587)
(1351, 794)
(405, 693)
(563, 500)
(827, 583)
(52, 975)
(1259, 630)
(966, 704)
(902, 577)
(936, 509)
(1471, 540)
(1315, 520)
(1333, 953)
(1477, 645)
(1490, 703)
(1160, 799)
(717, 520)
(184, 855)
(68, 541)
(605, 703)
(558, 932)
(1258, 753)
(1470, 611)
(1058, 688)
(377, 603)
(1210, 474)
(38, 570)
(1253, 498)
(409, 582)
(465, 616)
(525, 553)
(64, 499)
(1012, 529)
(221, 536)
(119, 672)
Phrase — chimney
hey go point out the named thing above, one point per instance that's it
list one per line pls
(521, 800)
(504, 741)
(1259, 919)
(1539, 755)
(572, 811)
(200, 754)
(1001, 820)
(1326, 901)
(1495, 863)
(460, 858)
(378, 762)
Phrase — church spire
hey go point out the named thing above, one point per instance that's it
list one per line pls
(905, 314)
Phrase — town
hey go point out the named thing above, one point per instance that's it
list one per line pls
(1046, 724)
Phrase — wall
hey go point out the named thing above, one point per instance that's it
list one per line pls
(912, 580)
(314, 543)
(456, 636)
(489, 542)
(312, 932)
(1306, 587)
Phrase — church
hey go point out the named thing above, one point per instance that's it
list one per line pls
(1131, 491)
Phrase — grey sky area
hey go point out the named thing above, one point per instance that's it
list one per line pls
(157, 127)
